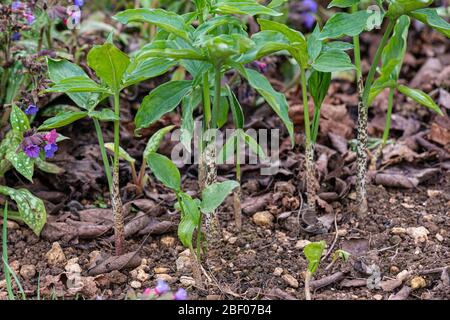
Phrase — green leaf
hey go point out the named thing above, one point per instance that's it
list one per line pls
(52, 111)
(337, 45)
(31, 209)
(345, 24)
(164, 170)
(228, 149)
(62, 119)
(224, 108)
(399, 7)
(214, 23)
(109, 63)
(48, 166)
(247, 7)
(333, 61)
(103, 115)
(313, 252)
(314, 44)
(122, 153)
(431, 17)
(189, 220)
(214, 194)
(420, 97)
(155, 141)
(187, 121)
(172, 53)
(19, 120)
(252, 144)
(141, 70)
(169, 21)
(318, 84)
(236, 109)
(275, 99)
(292, 35)
(77, 84)
(62, 69)
(343, 3)
(21, 162)
(160, 101)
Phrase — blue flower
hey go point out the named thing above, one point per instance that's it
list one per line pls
(161, 287)
(16, 36)
(50, 150)
(31, 110)
(308, 20)
(78, 3)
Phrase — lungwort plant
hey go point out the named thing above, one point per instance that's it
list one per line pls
(390, 52)
(207, 43)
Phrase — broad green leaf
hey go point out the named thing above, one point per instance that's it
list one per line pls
(103, 115)
(62, 69)
(21, 162)
(224, 108)
(291, 34)
(122, 153)
(276, 3)
(19, 120)
(52, 111)
(214, 194)
(214, 23)
(164, 170)
(155, 141)
(62, 119)
(332, 61)
(77, 84)
(48, 166)
(189, 220)
(109, 63)
(337, 45)
(141, 70)
(166, 20)
(246, 7)
(313, 252)
(275, 99)
(430, 17)
(31, 209)
(343, 3)
(160, 101)
(420, 97)
(345, 24)
(399, 7)
(314, 44)
(171, 53)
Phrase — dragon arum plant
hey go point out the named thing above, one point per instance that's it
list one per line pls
(116, 72)
(390, 52)
(317, 59)
(218, 44)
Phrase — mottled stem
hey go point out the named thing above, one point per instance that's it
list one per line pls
(311, 181)
(119, 234)
(211, 220)
(361, 152)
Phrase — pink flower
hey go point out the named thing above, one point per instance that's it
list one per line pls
(51, 137)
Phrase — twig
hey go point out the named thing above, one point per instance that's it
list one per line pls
(335, 277)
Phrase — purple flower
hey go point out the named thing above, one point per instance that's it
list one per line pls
(308, 20)
(30, 17)
(161, 287)
(17, 5)
(78, 3)
(262, 66)
(181, 294)
(50, 150)
(310, 5)
(32, 150)
(31, 110)
(16, 36)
